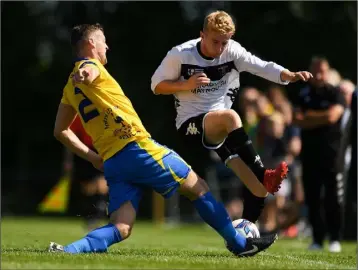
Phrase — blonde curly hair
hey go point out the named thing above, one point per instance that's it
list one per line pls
(219, 21)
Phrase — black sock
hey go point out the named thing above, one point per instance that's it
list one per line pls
(239, 143)
(253, 206)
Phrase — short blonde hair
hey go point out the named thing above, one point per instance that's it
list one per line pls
(219, 21)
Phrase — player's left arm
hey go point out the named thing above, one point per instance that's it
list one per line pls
(62, 132)
(245, 61)
(86, 74)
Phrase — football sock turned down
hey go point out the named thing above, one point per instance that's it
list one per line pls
(214, 214)
(96, 241)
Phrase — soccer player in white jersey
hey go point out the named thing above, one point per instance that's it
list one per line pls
(203, 75)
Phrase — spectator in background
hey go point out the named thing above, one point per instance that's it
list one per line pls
(264, 107)
(350, 211)
(291, 132)
(348, 159)
(347, 88)
(246, 106)
(320, 107)
(334, 78)
(294, 202)
(279, 140)
(88, 196)
(280, 102)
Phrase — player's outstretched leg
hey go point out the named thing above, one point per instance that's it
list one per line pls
(226, 125)
(215, 215)
(98, 240)
(239, 154)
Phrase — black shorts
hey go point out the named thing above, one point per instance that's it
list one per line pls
(192, 133)
(83, 171)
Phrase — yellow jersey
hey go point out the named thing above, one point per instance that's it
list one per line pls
(106, 113)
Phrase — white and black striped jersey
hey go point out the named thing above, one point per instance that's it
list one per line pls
(184, 60)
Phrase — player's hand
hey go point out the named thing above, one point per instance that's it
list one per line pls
(80, 76)
(292, 77)
(98, 165)
(97, 162)
(197, 80)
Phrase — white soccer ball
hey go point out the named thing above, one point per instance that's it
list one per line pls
(246, 228)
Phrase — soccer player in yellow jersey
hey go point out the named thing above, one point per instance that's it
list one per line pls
(127, 154)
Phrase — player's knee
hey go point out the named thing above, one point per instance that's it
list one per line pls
(232, 120)
(194, 189)
(202, 188)
(125, 230)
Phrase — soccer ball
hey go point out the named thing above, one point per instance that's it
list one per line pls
(246, 228)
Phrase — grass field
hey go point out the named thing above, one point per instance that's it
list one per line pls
(24, 245)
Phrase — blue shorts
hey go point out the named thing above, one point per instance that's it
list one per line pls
(141, 164)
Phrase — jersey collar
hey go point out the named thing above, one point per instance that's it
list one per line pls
(80, 59)
(201, 53)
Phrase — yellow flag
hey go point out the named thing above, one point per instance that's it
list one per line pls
(57, 199)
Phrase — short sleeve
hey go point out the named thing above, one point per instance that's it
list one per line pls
(338, 98)
(64, 98)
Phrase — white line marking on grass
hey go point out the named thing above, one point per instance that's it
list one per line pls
(312, 262)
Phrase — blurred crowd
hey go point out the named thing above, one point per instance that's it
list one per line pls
(268, 115)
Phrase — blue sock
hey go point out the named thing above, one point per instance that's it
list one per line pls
(215, 214)
(96, 241)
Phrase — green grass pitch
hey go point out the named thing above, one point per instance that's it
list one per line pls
(24, 243)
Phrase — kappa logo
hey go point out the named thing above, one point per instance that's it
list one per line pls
(192, 130)
(258, 160)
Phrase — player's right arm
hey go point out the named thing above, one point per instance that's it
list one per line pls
(62, 132)
(165, 80)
